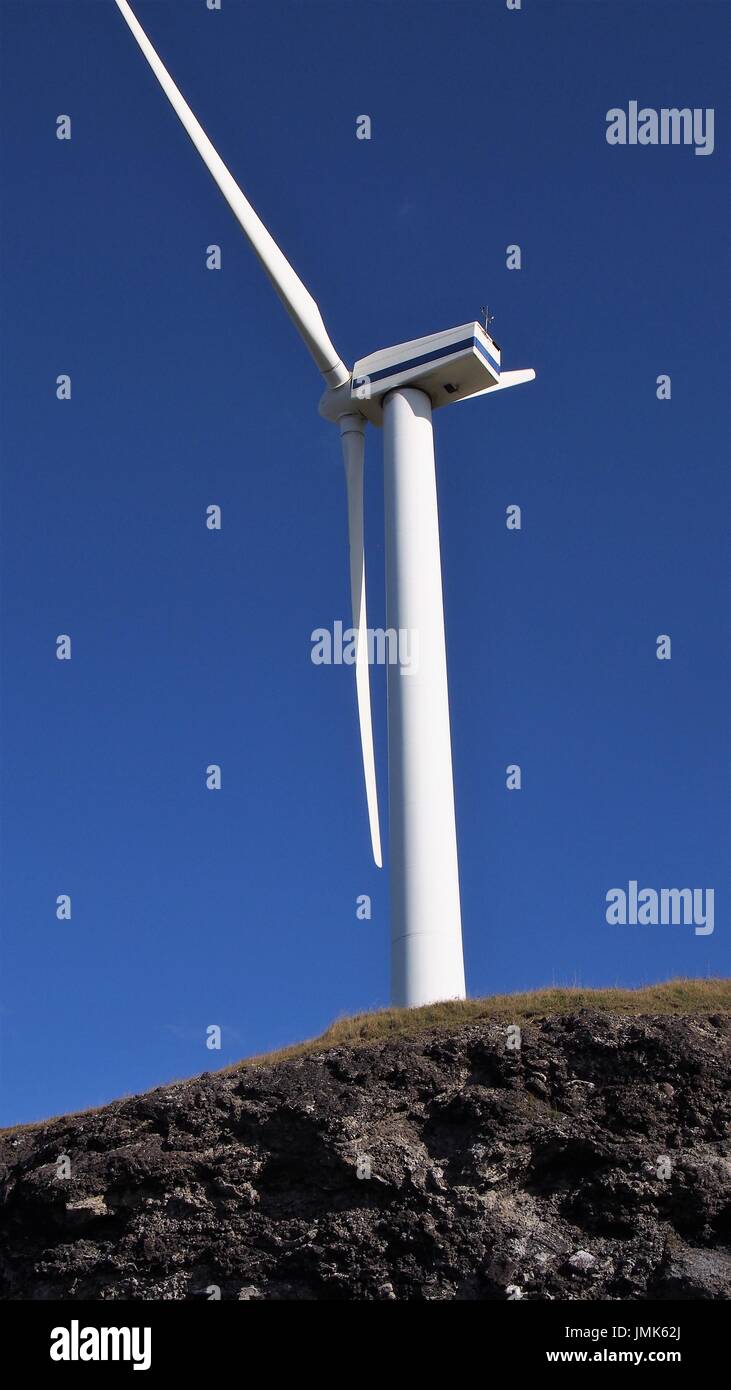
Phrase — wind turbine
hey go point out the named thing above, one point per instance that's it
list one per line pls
(396, 388)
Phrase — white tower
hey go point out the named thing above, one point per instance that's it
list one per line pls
(426, 927)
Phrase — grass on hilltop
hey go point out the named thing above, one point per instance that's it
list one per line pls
(674, 997)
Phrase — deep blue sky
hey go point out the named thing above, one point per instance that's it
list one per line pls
(190, 388)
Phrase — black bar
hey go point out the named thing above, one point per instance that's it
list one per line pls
(210, 1338)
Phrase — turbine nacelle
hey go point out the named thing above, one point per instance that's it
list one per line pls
(449, 366)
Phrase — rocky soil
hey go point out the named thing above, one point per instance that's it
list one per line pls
(591, 1163)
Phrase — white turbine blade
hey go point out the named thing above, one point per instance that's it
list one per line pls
(352, 428)
(297, 300)
(506, 379)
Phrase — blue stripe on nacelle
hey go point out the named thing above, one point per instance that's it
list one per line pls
(487, 355)
(434, 357)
